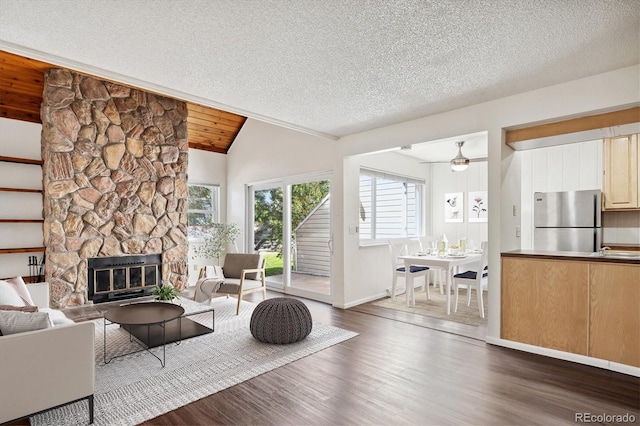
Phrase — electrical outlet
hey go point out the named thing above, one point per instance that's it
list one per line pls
(518, 231)
(514, 209)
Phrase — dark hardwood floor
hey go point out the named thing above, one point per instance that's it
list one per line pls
(396, 373)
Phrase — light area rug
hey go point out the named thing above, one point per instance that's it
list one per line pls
(437, 306)
(134, 388)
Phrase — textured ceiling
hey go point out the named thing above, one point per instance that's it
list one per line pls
(331, 67)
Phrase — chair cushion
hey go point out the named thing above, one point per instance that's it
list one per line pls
(469, 275)
(234, 263)
(413, 269)
(228, 288)
(248, 284)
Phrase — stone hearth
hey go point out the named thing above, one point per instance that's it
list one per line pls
(114, 179)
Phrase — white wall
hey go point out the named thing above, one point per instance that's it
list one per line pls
(572, 167)
(208, 168)
(444, 181)
(22, 140)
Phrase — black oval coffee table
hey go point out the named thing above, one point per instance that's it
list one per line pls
(136, 317)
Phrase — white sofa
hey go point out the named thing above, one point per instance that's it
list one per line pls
(46, 368)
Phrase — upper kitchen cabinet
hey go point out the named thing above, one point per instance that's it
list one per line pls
(621, 170)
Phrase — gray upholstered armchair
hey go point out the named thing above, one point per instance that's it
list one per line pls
(242, 274)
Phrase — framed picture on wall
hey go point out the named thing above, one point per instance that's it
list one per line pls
(454, 207)
(478, 206)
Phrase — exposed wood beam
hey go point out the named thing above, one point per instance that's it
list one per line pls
(591, 122)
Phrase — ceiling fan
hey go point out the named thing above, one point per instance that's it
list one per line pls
(459, 162)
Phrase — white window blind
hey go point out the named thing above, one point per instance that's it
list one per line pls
(390, 205)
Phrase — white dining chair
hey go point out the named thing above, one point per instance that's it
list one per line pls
(474, 280)
(399, 247)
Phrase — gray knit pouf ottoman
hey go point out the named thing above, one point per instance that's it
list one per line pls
(281, 320)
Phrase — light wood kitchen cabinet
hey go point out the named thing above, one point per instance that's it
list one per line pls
(546, 303)
(621, 170)
(614, 313)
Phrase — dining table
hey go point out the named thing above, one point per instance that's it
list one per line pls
(445, 262)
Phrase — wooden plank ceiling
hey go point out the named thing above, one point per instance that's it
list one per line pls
(22, 83)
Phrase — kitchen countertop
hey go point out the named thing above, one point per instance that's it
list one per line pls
(570, 255)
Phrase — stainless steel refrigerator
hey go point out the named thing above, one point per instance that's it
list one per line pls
(567, 221)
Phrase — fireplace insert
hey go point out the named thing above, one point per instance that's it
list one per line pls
(123, 277)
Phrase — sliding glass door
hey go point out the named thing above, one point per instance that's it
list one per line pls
(291, 227)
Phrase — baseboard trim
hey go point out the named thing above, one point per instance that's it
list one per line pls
(365, 300)
(552, 353)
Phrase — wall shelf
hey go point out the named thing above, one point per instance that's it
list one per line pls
(21, 160)
(26, 161)
(2, 189)
(22, 250)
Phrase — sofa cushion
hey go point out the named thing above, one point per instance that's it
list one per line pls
(21, 288)
(234, 263)
(9, 296)
(12, 322)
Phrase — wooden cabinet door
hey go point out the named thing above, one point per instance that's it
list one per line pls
(546, 303)
(519, 309)
(614, 317)
(563, 298)
(620, 180)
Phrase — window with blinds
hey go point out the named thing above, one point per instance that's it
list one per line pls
(390, 206)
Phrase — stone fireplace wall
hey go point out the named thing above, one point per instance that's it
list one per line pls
(114, 179)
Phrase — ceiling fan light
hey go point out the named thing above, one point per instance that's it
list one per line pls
(460, 162)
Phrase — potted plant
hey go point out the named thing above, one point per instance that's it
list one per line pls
(218, 236)
(166, 293)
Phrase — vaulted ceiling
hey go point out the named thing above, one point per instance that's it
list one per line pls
(330, 67)
(22, 82)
